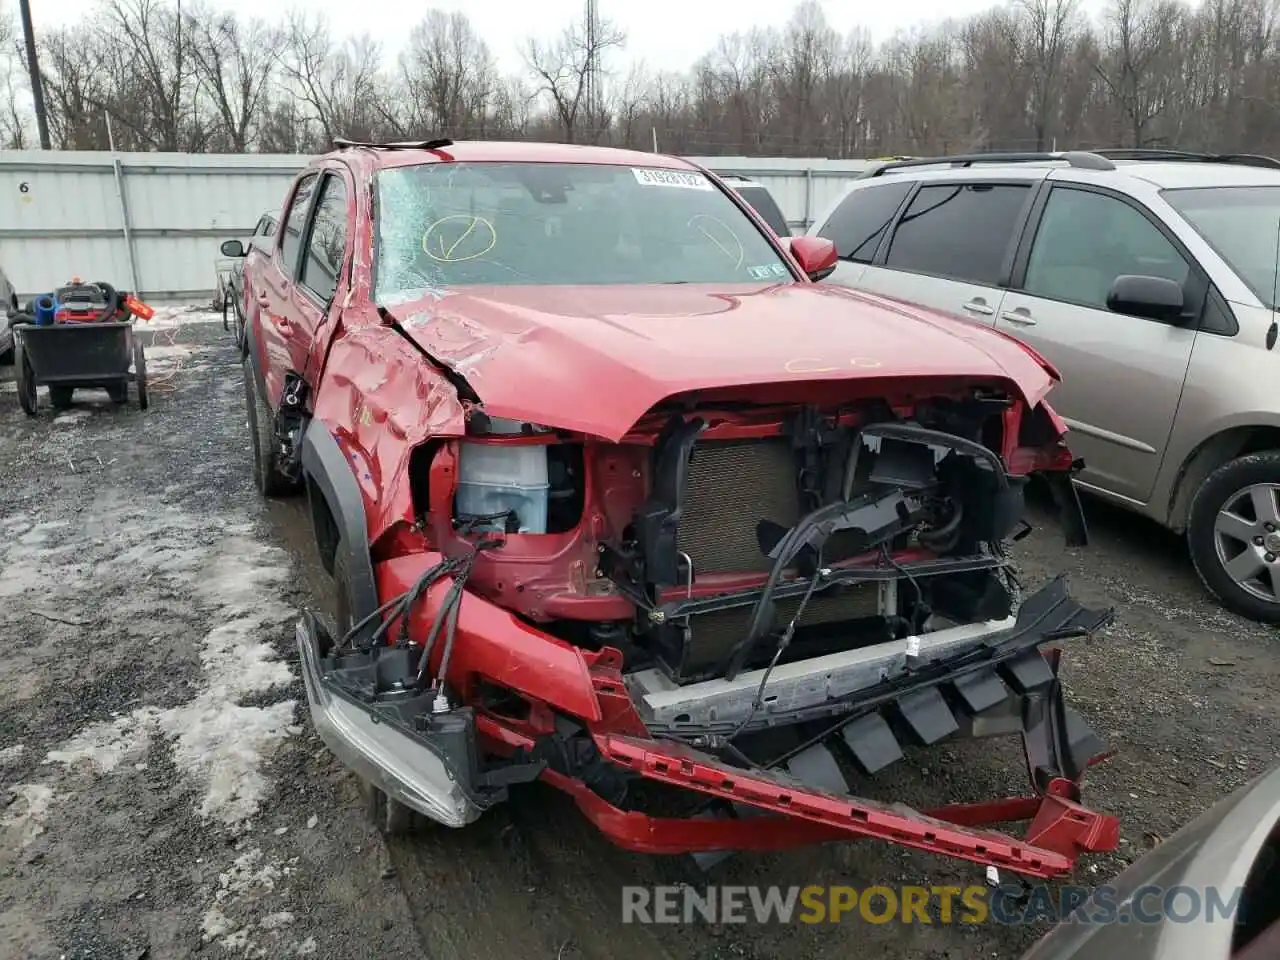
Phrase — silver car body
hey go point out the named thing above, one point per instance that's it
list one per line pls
(1153, 407)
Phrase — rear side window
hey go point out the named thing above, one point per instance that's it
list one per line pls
(328, 241)
(762, 202)
(961, 231)
(861, 219)
(296, 222)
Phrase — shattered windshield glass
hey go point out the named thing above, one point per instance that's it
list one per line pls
(460, 224)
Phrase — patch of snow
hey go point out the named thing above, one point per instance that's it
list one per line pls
(307, 947)
(29, 820)
(274, 921)
(71, 417)
(104, 746)
(11, 754)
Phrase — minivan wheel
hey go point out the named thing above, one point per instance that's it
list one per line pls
(1233, 533)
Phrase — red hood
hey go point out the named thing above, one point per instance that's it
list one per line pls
(596, 359)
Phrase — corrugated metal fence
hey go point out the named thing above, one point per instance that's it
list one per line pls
(152, 222)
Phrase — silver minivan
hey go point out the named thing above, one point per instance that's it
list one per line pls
(1149, 279)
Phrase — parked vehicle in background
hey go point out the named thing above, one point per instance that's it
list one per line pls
(233, 292)
(1209, 892)
(579, 410)
(1149, 279)
(761, 200)
(8, 309)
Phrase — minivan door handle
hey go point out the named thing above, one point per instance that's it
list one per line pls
(978, 305)
(1021, 316)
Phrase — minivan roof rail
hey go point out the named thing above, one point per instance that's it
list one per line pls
(1076, 158)
(1154, 154)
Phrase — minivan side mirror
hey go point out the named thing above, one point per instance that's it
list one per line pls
(232, 248)
(1154, 298)
(816, 256)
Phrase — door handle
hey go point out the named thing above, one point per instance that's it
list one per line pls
(1021, 316)
(979, 306)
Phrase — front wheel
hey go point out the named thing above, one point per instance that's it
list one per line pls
(267, 476)
(1233, 533)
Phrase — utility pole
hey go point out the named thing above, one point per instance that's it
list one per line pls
(592, 85)
(33, 65)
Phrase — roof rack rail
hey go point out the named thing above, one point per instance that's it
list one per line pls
(1155, 153)
(341, 143)
(1076, 158)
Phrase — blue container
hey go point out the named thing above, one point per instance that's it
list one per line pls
(45, 308)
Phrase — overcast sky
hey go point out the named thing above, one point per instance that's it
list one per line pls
(665, 34)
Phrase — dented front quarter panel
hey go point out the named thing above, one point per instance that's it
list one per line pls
(380, 399)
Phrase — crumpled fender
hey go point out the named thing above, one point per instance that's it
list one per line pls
(379, 398)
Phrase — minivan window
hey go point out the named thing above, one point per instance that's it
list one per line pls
(1085, 240)
(862, 217)
(1242, 224)
(960, 231)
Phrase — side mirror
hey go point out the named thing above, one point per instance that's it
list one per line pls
(816, 256)
(232, 248)
(1154, 298)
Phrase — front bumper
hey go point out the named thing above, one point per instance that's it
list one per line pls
(1003, 684)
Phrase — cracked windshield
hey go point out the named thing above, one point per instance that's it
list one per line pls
(444, 225)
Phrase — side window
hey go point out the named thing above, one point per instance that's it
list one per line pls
(296, 222)
(762, 201)
(961, 231)
(1085, 240)
(858, 223)
(328, 241)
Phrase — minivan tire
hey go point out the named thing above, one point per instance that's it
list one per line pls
(1228, 484)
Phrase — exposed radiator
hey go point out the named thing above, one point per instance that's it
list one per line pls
(732, 486)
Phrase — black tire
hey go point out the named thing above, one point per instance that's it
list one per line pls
(226, 290)
(391, 817)
(118, 393)
(1229, 489)
(140, 374)
(266, 474)
(26, 379)
(61, 396)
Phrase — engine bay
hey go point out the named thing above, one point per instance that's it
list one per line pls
(718, 540)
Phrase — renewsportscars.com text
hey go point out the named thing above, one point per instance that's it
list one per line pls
(927, 905)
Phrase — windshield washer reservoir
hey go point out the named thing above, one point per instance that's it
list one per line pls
(497, 478)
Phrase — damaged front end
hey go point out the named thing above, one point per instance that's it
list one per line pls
(754, 599)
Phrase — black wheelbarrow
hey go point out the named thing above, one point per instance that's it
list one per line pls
(70, 356)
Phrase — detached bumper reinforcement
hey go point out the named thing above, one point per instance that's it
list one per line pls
(1061, 829)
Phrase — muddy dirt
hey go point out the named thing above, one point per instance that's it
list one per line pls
(162, 794)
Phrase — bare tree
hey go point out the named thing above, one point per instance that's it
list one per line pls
(449, 77)
(338, 83)
(561, 70)
(1050, 27)
(154, 60)
(235, 63)
(1197, 74)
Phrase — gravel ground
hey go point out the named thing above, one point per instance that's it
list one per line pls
(162, 795)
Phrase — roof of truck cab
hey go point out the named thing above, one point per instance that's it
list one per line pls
(510, 151)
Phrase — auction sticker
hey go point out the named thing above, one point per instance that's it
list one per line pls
(671, 178)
